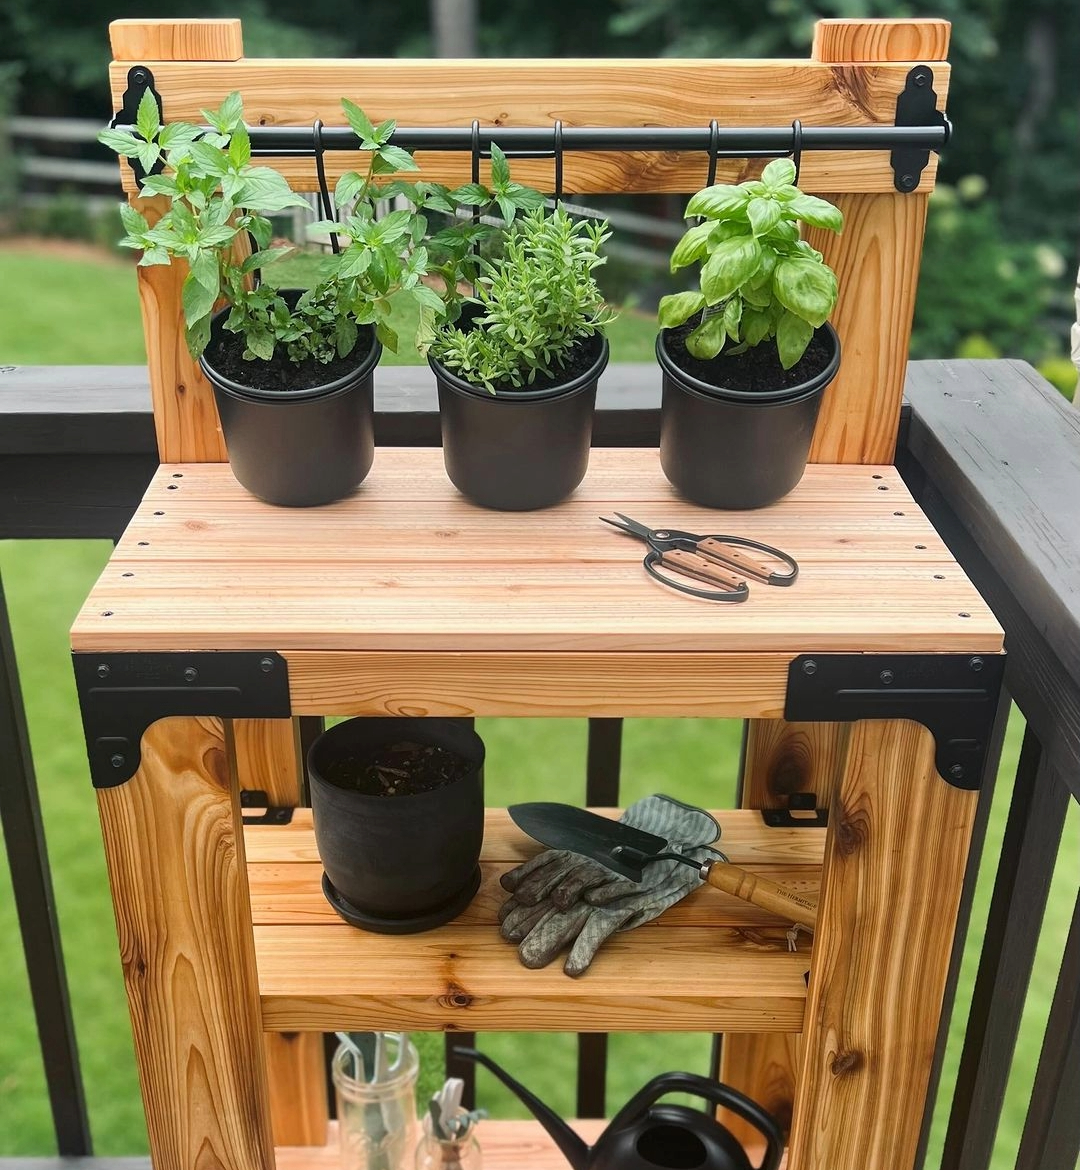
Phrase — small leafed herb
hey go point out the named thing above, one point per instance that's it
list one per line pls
(758, 279)
(536, 302)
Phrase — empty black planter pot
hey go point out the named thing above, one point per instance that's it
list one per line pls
(737, 449)
(299, 447)
(398, 864)
(516, 450)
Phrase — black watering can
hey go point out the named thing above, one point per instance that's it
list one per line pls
(647, 1136)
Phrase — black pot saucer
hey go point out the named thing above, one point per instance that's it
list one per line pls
(413, 924)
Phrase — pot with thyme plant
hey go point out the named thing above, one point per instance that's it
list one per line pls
(517, 370)
(291, 370)
(747, 356)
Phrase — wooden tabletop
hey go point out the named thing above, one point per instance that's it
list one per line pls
(407, 564)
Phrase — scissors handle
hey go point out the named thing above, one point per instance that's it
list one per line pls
(688, 564)
(732, 555)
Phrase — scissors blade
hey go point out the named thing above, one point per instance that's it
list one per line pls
(641, 531)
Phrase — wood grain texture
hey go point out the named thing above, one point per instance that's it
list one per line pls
(299, 1106)
(139, 41)
(407, 565)
(895, 856)
(876, 259)
(185, 416)
(267, 759)
(905, 39)
(780, 759)
(591, 92)
(179, 885)
(712, 958)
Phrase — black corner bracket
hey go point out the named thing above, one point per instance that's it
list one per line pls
(121, 695)
(954, 695)
(139, 80)
(916, 106)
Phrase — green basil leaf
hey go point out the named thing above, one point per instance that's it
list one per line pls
(756, 325)
(732, 317)
(816, 212)
(806, 288)
(679, 307)
(779, 173)
(693, 245)
(764, 215)
(147, 117)
(730, 264)
(707, 340)
(720, 201)
(792, 337)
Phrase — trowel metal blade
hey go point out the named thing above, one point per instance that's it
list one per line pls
(621, 848)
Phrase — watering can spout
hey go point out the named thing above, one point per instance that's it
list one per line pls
(572, 1146)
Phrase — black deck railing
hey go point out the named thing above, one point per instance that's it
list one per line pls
(993, 455)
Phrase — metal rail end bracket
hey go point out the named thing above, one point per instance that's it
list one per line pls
(121, 695)
(955, 696)
(916, 106)
(139, 80)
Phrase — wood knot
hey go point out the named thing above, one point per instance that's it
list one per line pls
(849, 833)
(846, 1062)
(196, 525)
(457, 996)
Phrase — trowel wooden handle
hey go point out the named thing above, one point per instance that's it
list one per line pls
(762, 892)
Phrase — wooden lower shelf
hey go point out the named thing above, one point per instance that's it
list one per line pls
(711, 963)
(506, 1145)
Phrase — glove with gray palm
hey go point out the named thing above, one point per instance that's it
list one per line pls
(560, 899)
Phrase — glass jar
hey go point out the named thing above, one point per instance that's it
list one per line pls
(448, 1153)
(377, 1120)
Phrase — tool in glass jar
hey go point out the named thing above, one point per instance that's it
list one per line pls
(715, 559)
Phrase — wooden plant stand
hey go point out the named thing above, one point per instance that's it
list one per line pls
(220, 620)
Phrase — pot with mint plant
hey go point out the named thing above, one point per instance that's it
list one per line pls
(517, 366)
(291, 370)
(747, 356)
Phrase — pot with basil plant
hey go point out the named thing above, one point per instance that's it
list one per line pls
(747, 355)
(291, 370)
(518, 361)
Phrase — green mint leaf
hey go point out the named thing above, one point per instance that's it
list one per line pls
(263, 188)
(763, 214)
(730, 264)
(527, 198)
(240, 147)
(384, 131)
(121, 141)
(204, 269)
(359, 121)
(693, 245)
(500, 169)
(263, 259)
(707, 340)
(779, 173)
(228, 115)
(507, 207)
(806, 288)
(471, 195)
(349, 186)
(792, 337)
(398, 159)
(355, 261)
(215, 236)
(345, 334)
(679, 307)
(387, 336)
(208, 160)
(197, 335)
(134, 223)
(718, 202)
(148, 118)
(816, 212)
(159, 185)
(198, 300)
(156, 255)
(261, 345)
(148, 155)
(177, 135)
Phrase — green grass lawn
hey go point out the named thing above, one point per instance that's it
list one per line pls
(46, 319)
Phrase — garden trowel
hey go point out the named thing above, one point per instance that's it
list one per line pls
(627, 851)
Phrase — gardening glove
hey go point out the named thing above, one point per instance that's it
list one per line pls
(561, 898)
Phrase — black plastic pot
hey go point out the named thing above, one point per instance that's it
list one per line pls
(298, 447)
(737, 449)
(398, 864)
(516, 450)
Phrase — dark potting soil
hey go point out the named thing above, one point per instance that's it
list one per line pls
(758, 368)
(397, 769)
(226, 355)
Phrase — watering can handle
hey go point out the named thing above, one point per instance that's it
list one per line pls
(718, 1094)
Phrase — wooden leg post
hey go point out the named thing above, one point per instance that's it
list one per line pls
(895, 856)
(267, 760)
(179, 885)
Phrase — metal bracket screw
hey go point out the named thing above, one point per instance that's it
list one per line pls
(809, 666)
(191, 674)
(886, 677)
